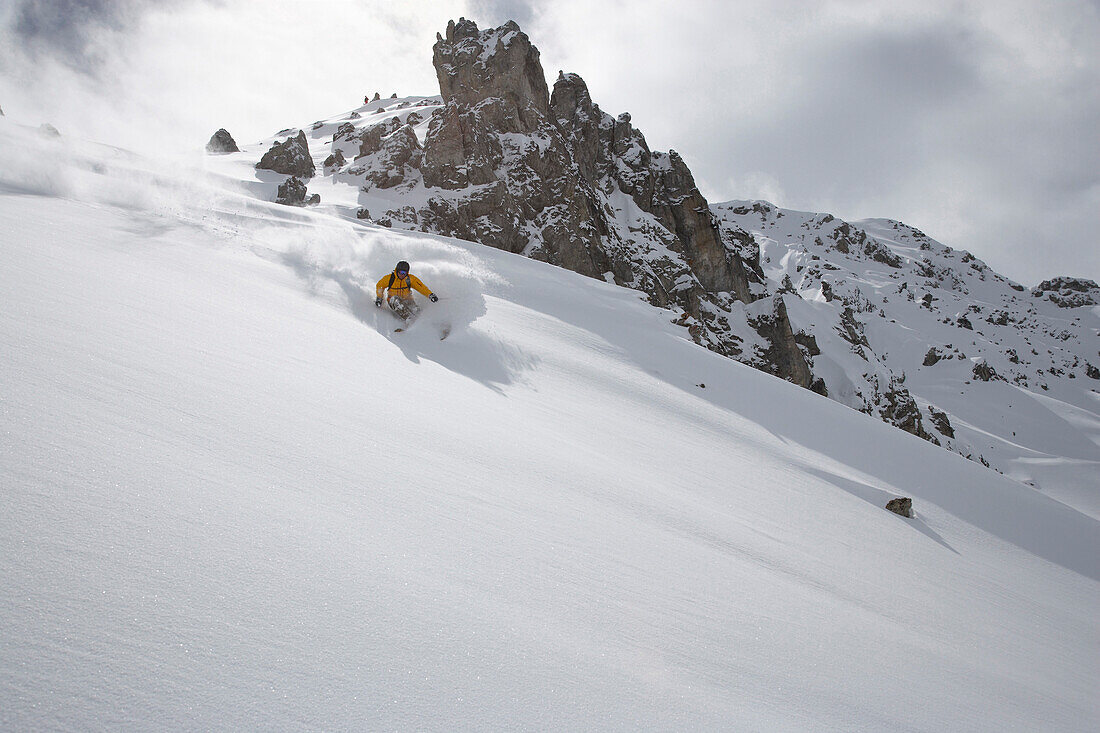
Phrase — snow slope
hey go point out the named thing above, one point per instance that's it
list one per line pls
(1034, 415)
(233, 499)
(875, 298)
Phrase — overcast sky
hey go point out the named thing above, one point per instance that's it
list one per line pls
(977, 122)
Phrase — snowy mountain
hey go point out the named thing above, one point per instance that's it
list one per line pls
(873, 314)
(235, 499)
(997, 373)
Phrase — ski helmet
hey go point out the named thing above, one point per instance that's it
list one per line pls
(402, 266)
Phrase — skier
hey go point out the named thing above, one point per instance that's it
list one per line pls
(401, 283)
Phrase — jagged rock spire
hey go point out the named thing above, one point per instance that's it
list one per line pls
(473, 66)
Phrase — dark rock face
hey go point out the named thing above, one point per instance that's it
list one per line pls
(899, 409)
(783, 357)
(1069, 292)
(222, 142)
(290, 157)
(902, 505)
(336, 160)
(495, 138)
(984, 372)
(509, 72)
(941, 422)
(293, 193)
(370, 140)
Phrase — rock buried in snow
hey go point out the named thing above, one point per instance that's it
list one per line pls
(293, 193)
(222, 142)
(902, 505)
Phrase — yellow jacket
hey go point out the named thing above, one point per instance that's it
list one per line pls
(401, 288)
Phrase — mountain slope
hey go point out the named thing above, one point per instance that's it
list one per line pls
(233, 499)
(998, 373)
(874, 314)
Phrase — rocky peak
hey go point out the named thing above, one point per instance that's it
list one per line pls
(1068, 292)
(579, 120)
(509, 165)
(499, 63)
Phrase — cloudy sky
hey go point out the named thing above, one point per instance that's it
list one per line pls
(978, 122)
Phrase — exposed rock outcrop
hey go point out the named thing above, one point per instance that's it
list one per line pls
(387, 165)
(898, 408)
(984, 372)
(293, 193)
(222, 142)
(941, 422)
(903, 505)
(336, 160)
(1069, 292)
(554, 177)
(290, 157)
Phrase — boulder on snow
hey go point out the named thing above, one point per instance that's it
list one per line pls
(902, 505)
(48, 130)
(983, 371)
(293, 193)
(932, 357)
(1, 111)
(222, 142)
(290, 157)
(336, 160)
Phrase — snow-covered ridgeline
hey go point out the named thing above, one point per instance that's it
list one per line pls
(1002, 374)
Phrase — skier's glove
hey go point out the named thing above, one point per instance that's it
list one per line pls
(378, 302)
(433, 297)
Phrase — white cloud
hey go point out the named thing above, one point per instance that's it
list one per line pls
(176, 72)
